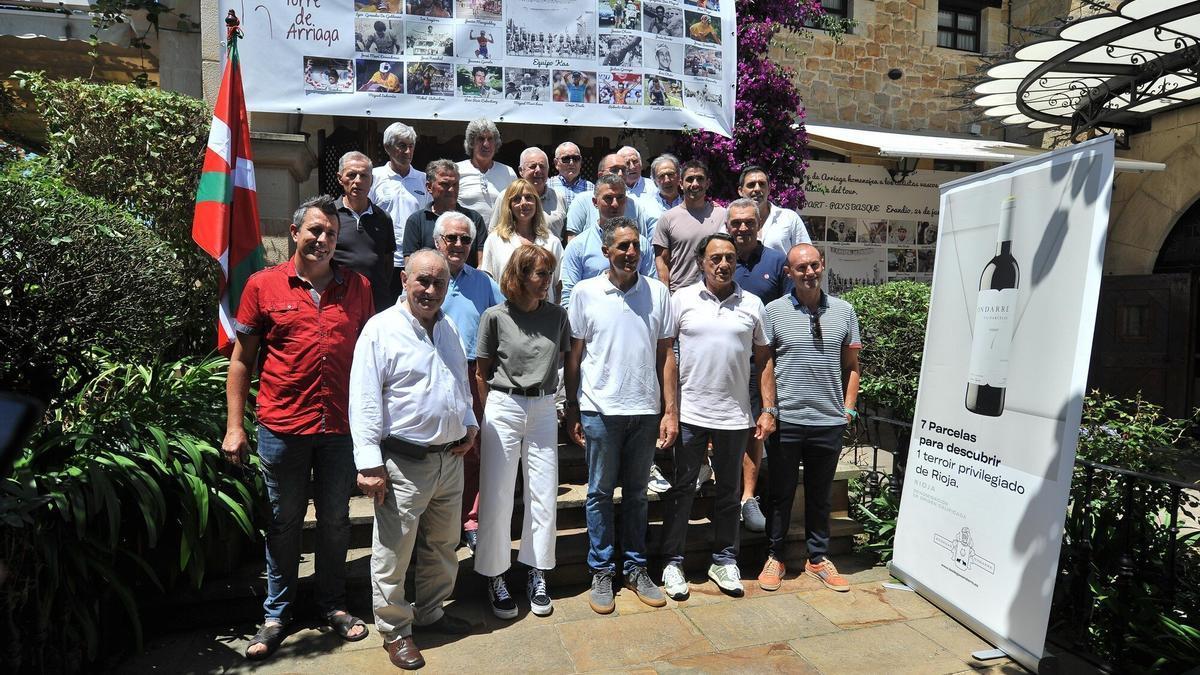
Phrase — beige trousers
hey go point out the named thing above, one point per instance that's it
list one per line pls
(422, 509)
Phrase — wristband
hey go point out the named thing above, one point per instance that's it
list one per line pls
(852, 413)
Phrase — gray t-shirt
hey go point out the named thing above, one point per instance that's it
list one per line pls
(680, 231)
(524, 346)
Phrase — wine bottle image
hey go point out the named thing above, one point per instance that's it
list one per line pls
(995, 318)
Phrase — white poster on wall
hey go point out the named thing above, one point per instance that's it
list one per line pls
(668, 64)
(1011, 316)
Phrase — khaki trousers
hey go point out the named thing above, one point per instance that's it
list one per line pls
(422, 509)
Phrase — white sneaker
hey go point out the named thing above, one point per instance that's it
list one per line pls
(657, 484)
(706, 474)
(674, 583)
(728, 578)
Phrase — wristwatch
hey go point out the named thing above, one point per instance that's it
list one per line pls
(773, 412)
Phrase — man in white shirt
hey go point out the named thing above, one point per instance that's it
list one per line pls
(534, 167)
(639, 187)
(481, 179)
(411, 421)
(397, 187)
(620, 361)
(718, 324)
(779, 228)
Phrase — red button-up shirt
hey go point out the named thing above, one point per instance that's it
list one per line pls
(306, 348)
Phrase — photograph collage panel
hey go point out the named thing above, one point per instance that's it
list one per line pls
(620, 50)
(379, 35)
(527, 84)
(699, 96)
(664, 91)
(430, 79)
(863, 251)
(621, 88)
(664, 56)
(323, 75)
(429, 39)
(480, 81)
(573, 86)
(434, 9)
(526, 35)
(378, 76)
(478, 43)
(479, 10)
(704, 28)
(661, 19)
(701, 62)
(620, 14)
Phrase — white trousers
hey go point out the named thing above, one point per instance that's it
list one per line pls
(517, 430)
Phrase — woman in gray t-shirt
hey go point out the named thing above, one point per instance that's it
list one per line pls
(520, 344)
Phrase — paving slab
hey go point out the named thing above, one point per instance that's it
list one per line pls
(956, 638)
(755, 621)
(631, 640)
(863, 605)
(754, 660)
(894, 648)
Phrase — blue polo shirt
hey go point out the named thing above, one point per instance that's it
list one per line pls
(584, 258)
(763, 274)
(583, 214)
(469, 295)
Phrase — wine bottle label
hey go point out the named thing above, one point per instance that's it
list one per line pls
(995, 316)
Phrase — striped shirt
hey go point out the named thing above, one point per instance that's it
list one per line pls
(808, 370)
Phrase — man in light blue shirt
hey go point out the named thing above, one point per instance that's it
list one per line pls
(665, 170)
(568, 161)
(639, 188)
(584, 257)
(583, 212)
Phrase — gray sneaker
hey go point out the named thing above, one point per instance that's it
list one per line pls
(674, 583)
(601, 598)
(752, 516)
(728, 578)
(638, 581)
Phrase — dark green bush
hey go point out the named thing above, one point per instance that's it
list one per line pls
(78, 273)
(892, 319)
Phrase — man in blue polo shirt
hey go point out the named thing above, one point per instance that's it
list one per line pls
(584, 257)
(469, 294)
(760, 271)
(583, 211)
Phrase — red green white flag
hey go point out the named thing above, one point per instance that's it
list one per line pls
(225, 223)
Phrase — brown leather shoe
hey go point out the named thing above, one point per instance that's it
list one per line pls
(403, 653)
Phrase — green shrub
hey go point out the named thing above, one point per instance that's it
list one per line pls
(77, 273)
(892, 320)
(122, 494)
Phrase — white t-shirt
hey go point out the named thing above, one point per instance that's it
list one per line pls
(481, 191)
(400, 197)
(716, 341)
(783, 230)
(618, 375)
(497, 250)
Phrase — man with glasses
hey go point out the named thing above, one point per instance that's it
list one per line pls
(584, 214)
(568, 162)
(815, 340)
(441, 177)
(469, 294)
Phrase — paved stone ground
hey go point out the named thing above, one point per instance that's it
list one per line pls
(802, 628)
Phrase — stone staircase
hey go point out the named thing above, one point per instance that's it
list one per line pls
(239, 594)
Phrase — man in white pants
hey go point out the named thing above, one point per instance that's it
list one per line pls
(411, 420)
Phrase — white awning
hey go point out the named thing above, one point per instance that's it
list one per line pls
(894, 145)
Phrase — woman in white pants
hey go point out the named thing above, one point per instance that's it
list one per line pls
(520, 344)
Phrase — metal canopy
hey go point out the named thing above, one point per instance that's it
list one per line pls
(1111, 70)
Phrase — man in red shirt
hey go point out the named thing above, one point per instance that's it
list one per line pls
(299, 322)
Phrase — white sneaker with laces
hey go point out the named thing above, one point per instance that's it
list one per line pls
(657, 484)
(728, 578)
(674, 583)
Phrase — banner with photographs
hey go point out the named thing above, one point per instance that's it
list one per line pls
(872, 230)
(649, 64)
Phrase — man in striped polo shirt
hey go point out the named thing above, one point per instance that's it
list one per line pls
(816, 342)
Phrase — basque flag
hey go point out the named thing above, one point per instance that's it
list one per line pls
(225, 223)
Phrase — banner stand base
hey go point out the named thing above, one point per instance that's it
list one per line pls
(988, 654)
(898, 587)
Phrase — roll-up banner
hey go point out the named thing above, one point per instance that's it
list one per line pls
(1011, 316)
(651, 64)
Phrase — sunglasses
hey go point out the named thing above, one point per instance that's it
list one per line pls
(569, 159)
(816, 326)
(464, 239)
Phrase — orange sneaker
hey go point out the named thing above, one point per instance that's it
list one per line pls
(827, 574)
(771, 576)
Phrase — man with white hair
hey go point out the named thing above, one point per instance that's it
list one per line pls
(367, 240)
(639, 187)
(665, 172)
(568, 161)
(534, 167)
(398, 187)
(481, 179)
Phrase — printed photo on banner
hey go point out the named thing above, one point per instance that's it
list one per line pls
(849, 266)
(427, 39)
(621, 88)
(620, 14)
(377, 76)
(816, 228)
(841, 230)
(902, 260)
(479, 10)
(872, 231)
(902, 232)
(703, 27)
(701, 62)
(481, 81)
(927, 232)
(379, 6)
(925, 260)
(383, 35)
(702, 97)
(550, 28)
(325, 75)
(437, 9)
(478, 43)
(620, 50)
(574, 86)
(663, 55)
(713, 5)
(664, 91)
(430, 79)
(526, 84)
(664, 20)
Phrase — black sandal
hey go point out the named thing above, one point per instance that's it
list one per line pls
(272, 635)
(343, 623)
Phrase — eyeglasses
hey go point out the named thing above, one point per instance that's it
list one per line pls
(452, 239)
(570, 159)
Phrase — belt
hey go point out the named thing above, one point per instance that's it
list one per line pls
(415, 450)
(522, 391)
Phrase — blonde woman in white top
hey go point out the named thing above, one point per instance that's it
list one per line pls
(521, 221)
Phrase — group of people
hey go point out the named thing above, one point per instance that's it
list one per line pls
(432, 330)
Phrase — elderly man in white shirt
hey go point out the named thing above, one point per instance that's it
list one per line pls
(411, 421)
(481, 179)
(779, 228)
(639, 187)
(397, 187)
(534, 167)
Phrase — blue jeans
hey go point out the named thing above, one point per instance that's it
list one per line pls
(619, 448)
(288, 462)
